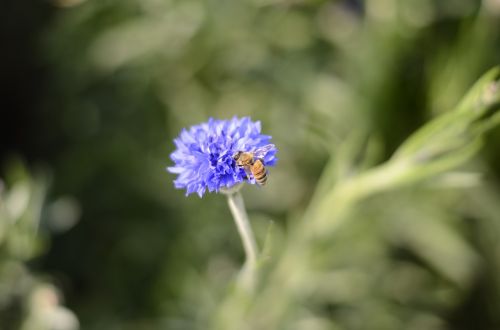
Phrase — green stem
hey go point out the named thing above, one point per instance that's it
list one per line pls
(237, 207)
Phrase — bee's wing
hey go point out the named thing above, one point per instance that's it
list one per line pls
(262, 151)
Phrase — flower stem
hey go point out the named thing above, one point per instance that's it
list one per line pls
(237, 207)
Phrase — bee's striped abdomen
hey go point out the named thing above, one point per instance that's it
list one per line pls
(259, 172)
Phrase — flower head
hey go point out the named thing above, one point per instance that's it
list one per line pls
(204, 158)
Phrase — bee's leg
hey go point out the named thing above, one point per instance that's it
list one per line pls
(248, 173)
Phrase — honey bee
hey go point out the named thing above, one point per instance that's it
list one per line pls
(253, 163)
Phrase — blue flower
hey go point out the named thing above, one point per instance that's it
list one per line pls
(204, 155)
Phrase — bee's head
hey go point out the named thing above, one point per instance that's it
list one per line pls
(237, 155)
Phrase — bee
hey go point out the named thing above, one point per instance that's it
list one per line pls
(253, 163)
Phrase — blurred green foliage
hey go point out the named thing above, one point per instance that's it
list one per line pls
(339, 85)
(27, 301)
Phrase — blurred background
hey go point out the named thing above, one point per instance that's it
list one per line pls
(92, 231)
